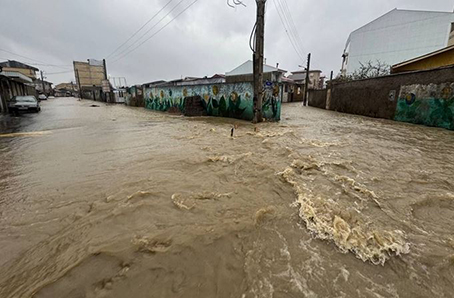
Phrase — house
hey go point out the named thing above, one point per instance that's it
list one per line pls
(12, 84)
(16, 66)
(39, 85)
(316, 80)
(216, 79)
(244, 73)
(440, 58)
(398, 36)
(66, 89)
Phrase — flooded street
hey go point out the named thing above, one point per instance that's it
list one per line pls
(113, 201)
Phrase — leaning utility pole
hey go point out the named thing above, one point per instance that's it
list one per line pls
(258, 61)
(42, 82)
(105, 79)
(78, 83)
(306, 88)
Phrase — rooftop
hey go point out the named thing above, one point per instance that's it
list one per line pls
(17, 64)
(248, 68)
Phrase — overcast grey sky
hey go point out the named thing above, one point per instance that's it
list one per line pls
(208, 38)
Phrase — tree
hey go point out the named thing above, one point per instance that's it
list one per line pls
(368, 70)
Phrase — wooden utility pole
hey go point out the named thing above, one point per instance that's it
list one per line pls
(258, 61)
(105, 78)
(42, 82)
(78, 83)
(306, 88)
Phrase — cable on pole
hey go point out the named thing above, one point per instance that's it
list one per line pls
(148, 31)
(140, 29)
(154, 34)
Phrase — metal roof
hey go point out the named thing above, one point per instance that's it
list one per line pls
(450, 48)
(16, 76)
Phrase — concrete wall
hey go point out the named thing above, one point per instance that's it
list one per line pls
(379, 97)
(431, 105)
(317, 98)
(222, 100)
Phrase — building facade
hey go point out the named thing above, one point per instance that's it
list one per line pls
(397, 36)
(90, 76)
(437, 59)
(13, 84)
(16, 66)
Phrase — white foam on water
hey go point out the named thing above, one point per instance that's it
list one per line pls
(349, 231)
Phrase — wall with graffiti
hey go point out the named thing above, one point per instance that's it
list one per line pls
(431, 105)
(222, 100)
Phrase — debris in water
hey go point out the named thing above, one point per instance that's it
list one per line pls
(94, 106)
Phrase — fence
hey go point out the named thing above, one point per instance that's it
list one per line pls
(421, 97)
(222, 100)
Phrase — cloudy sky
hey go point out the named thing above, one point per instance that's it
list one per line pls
(208, 38)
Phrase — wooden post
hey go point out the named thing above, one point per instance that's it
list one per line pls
(306, 88)
(78, 83)
(258, 61)
(42, 82)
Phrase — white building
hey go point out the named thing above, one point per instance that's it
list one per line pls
(397, 36)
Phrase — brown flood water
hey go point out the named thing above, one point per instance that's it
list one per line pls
(125, 202)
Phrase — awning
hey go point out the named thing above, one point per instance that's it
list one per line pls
(16, 76)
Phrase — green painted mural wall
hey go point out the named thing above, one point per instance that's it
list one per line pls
(221, 100)
(431, 105)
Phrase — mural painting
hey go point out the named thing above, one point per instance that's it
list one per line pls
(431, 105)
(221, 100)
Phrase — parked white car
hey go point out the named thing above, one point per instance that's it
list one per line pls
(42, 97)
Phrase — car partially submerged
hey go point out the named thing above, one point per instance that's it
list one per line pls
(27, 103)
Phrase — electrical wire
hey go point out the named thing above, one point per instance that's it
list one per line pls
(288, 34)
(148, 31)
(61, 72)
(31, 59)
(154, 34)
(252, 38)
(292, 31)
(140, 29)
(294, 28)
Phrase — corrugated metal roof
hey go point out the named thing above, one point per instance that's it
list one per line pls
(16, 76)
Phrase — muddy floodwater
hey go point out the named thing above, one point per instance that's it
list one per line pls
(112, 201)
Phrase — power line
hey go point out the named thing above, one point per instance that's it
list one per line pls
(140, 29)
(293, 31)
(61, 72)
(31, 59)
(148, 31)
(286, 31)
(162, 28)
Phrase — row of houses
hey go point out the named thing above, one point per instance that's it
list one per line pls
(287, 86)
(16, 79)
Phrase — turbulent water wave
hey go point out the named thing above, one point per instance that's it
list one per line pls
(189, 202)
(229, 158)
(327, 220)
